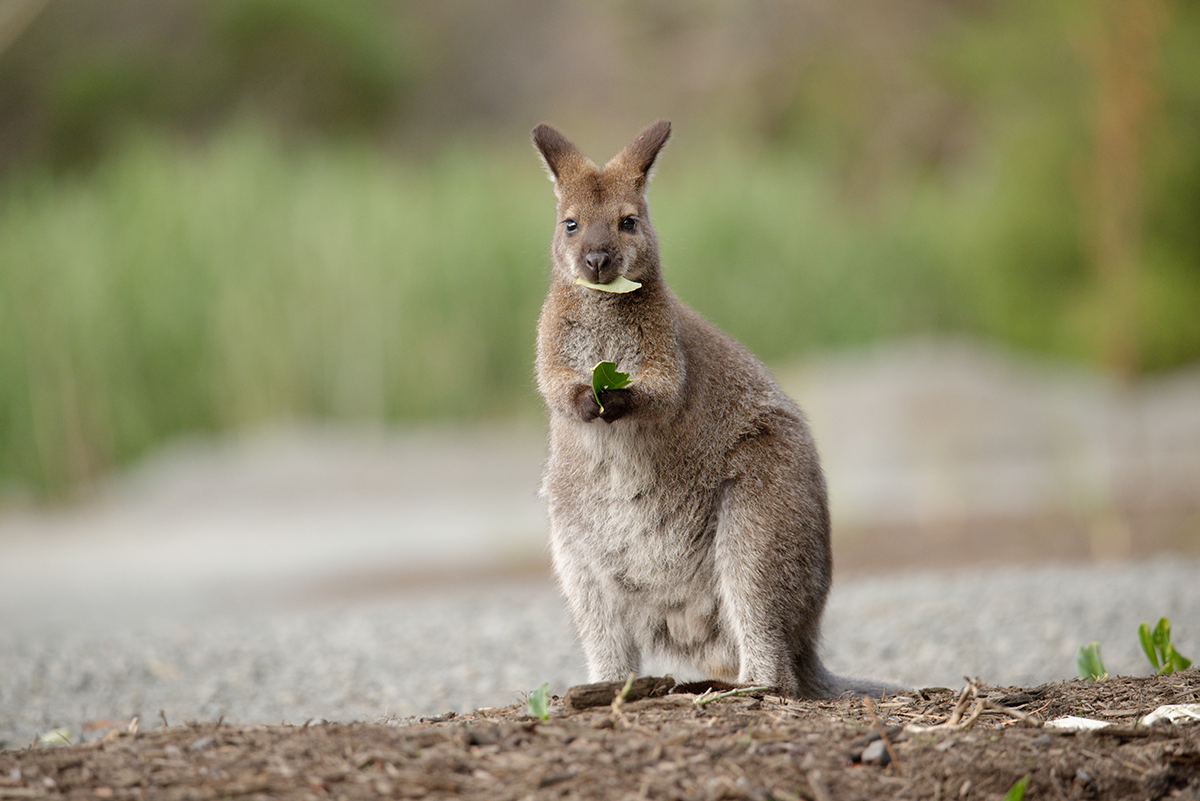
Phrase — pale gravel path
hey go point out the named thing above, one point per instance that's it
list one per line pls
(459, 648)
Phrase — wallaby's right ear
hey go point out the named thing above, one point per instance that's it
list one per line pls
(559, 153)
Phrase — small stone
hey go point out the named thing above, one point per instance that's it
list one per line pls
(876, 754)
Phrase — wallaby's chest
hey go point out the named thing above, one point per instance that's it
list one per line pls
(634, 501)
(590, 338)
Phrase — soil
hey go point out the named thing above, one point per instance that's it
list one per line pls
(972, 743)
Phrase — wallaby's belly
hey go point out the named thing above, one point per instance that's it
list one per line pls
(620, 522)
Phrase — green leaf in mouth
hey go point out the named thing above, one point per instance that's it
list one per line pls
(619, 285)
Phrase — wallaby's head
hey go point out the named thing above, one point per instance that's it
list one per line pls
(603, 229)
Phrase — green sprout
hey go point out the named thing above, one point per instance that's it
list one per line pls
(538, 702)
(1156, 643)
(1088, 663)
(1017, 791)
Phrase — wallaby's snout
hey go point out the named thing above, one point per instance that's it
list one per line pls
(598, 262)
(598, 254)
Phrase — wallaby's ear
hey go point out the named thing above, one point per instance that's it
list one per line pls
(560, 154)
(639, 155)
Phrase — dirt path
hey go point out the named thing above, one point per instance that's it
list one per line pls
(974, 744)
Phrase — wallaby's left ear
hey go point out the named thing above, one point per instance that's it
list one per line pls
(639, 155)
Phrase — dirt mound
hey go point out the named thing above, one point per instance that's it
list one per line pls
(937, 743)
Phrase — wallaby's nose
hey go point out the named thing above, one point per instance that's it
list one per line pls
(598, 260)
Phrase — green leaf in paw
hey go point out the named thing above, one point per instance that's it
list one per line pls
(606, 376)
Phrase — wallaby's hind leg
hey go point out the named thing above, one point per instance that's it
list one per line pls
(609, 648)
(607, 643)
(773, 559)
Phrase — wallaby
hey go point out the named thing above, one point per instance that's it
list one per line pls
(688, 515)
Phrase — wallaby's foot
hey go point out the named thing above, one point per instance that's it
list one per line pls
(707, 685)
(842, 687)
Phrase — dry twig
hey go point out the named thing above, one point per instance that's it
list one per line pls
(887, 742)
(708, 696)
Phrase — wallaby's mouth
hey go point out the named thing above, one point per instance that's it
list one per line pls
(599, 266)
(601, 270)
(619, 285)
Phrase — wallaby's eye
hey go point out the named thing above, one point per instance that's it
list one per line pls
(629, 224)
(571, 226)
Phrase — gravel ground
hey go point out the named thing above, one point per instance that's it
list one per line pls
(462, 647)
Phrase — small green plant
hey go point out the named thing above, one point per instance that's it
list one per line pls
(1156, 643)
(1017, 791)
(538, 702)
(1088, 663)
(606, 376)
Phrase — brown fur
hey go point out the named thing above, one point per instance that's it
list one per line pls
(690, 518)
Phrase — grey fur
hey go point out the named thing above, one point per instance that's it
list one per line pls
(690, 518)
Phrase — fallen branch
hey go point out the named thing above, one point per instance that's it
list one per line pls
(584, 696)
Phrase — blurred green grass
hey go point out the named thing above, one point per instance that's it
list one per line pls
(178, 290)
(183, 288)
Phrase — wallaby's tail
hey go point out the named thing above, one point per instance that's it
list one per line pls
(841, 685)
(815, 681)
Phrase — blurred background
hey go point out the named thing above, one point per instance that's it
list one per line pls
(247, 246)
(270, 272)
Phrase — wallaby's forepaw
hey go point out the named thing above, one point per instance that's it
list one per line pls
(616, 404)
